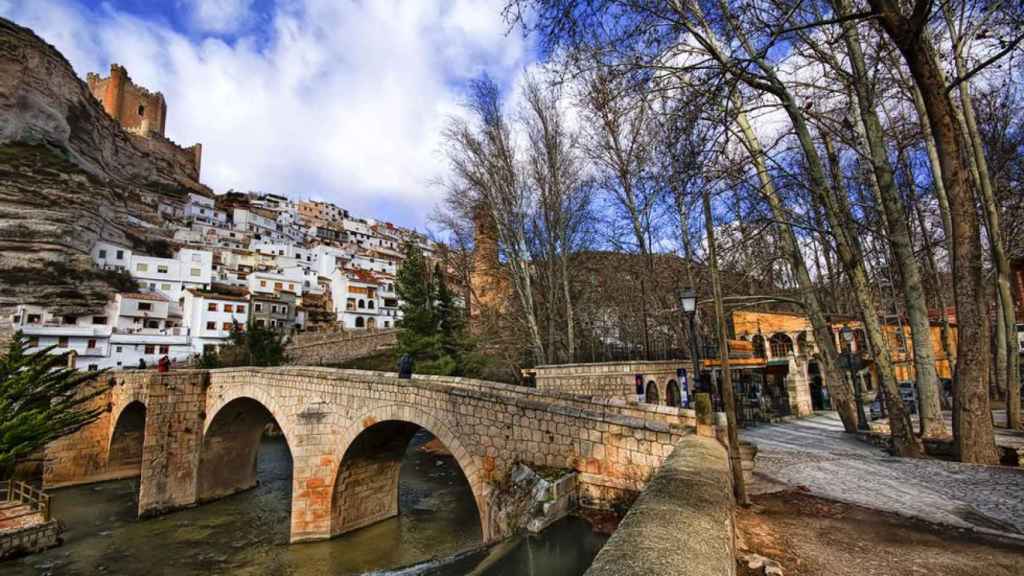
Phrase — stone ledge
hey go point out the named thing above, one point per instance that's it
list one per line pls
(682, 524)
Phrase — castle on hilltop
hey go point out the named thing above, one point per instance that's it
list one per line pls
(140, 112)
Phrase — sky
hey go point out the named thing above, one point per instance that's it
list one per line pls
(337, 100)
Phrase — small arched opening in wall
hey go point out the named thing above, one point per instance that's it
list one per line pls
(672, 396)
(243, 446)
(400, 473)
(651, 393)
(124, 457)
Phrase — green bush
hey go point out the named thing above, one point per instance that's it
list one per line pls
(702, 405)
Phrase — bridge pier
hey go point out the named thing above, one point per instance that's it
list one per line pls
(174, 433)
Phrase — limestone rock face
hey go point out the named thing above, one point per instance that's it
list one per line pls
(69, 176)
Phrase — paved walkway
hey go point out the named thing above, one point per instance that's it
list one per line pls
(816, 454)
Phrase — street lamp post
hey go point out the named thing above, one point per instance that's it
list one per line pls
(688, 305)
(858, 396)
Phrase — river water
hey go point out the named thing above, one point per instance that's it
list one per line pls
(437, 533)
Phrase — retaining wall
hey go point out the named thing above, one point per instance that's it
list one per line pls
(336, 348)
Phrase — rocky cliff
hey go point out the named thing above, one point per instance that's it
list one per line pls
(69, 176)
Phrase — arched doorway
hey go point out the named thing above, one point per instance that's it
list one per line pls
(381, 477)
(672, 396)
(233, 446)
(819, 395)
(651, 393)
(125, 454)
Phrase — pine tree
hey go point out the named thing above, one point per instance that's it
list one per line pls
(41, 400)
(418, 336)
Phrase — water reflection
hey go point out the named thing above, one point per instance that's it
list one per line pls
(248, 533)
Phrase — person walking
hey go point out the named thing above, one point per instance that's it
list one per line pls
(405, 364)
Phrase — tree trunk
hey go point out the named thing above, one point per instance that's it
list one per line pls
(840, 389)
(888, 198)
(974, 433)
(1010, 366)
(728, 396)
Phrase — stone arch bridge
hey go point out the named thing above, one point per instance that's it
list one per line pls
(193, 436)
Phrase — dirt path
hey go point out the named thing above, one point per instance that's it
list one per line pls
(811, 536)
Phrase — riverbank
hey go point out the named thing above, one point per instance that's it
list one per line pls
(811, 536)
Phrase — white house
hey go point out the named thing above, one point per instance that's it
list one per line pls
(210, 317)
(169, 276)
(273, 283)
(201, 209)
(110, 256)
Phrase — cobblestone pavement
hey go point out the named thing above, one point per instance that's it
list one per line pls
(816, 454)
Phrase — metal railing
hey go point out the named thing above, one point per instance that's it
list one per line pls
(24, 493)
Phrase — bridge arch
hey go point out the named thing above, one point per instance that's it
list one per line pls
(124, 446)
(365, 487)
(231, 441)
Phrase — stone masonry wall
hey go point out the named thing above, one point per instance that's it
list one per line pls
(30, 540)
(607, 379)
(667, 535)
(333, 348)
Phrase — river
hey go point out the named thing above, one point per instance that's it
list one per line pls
(437, 533)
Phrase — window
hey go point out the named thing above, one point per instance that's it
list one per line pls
(387, 324)
(152, 286)
(93, 367)
(196, 272)
(211, 307)
(165, 349)
(140, 267)
(198, 258)
(291, 287)
(165, 286)
(226, 325)
(278, 285)
(145, 306)
(91, 345)
(263, 283)
(62, 342)
(150, 349)
(118, 349)
(370, 304)
(120, 254)
(260, 323)
(100, 320)
(161, 269)
(142, 110)
(33, 318)
(103, 254)
(229, 308)
(240, 308)
(259, 307)
(211, 325)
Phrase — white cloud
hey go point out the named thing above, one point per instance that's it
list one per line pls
(338, 100)
(219, 15)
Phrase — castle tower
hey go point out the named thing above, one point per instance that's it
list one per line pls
(137, 109)
(488, 288)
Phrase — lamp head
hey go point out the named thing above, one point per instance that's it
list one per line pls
(688, 300)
